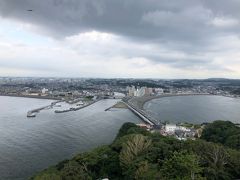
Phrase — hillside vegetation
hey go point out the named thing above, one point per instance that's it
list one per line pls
(139, 154)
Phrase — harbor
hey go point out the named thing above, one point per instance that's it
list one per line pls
(34, 112)
(75, 108)
(53, 137)
(62, 106)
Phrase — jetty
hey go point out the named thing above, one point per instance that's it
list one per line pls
(33, 112)
(74, 108)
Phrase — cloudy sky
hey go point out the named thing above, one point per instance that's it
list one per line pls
(120, 38)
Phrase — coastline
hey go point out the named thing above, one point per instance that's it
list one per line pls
(140, 101)
(81, 131)
(34, 97)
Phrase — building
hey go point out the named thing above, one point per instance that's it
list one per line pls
(149, 91)
(170, 128)
(131, 90)
(159, 91)
(144, 126)
(139, 91)
(44, 91)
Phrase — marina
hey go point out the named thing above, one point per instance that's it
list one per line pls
(34, 112)
(76, 108)
(67, 106)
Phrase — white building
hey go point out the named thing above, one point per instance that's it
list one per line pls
(182, 128)
(170, 128)
(159, 91)
(141, 92)
(118, 95)
(131, 91)
(44, 91)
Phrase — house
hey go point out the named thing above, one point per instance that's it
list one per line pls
(144, 126)
(170, 128)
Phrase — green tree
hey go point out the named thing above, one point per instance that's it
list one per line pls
(233, 167)
(132, 148)
(233, 141)
(74, 171)
(125, 127)
(100, 163)
(214, 158)
(48, 176)
(138, 154)
(221, 132)
(182, 166)
(145, 171)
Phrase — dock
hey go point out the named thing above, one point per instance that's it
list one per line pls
(33, 112)
(74, 109)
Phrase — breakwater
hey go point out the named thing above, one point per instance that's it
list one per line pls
(74, 109)
(33, 112)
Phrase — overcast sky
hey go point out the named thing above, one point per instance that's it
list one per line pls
(120, 38)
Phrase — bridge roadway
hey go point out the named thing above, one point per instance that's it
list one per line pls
(140, 113)
(135, 104)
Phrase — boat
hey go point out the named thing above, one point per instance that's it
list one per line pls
(80, 103)
(62, 111)
(58, 105)
(31, 114)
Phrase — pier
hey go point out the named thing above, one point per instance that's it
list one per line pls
(33, 113)
(75, 108)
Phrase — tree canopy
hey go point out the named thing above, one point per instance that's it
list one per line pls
(224, 132)
(138, 154)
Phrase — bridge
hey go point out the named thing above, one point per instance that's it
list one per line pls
(143, 115)
(135, 104)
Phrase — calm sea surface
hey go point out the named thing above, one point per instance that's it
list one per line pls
(194, 109)
(28, 145)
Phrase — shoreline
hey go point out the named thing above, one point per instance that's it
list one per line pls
(33, 97)
(140, 101)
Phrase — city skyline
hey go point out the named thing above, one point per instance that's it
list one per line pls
(120, 39)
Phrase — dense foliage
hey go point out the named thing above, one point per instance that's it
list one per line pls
(139, 154)
(224, 132)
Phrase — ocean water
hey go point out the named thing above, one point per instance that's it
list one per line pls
(28, 145)
(194, 109)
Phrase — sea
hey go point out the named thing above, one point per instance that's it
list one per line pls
(194, 109)
(29, 145)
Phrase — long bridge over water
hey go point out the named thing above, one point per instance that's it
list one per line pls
(136, 106)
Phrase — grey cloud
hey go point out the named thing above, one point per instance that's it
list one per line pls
(183, 25)
(183, 20)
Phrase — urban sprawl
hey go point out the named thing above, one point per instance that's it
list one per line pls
(133, 92)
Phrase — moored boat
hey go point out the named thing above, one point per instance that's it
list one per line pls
(31, 114)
